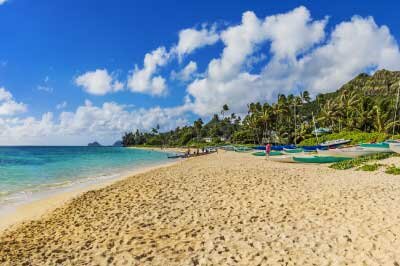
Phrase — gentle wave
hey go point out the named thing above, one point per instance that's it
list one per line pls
(28, 173)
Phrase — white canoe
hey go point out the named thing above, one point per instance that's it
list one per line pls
(395, 147)
(352, 152)
(282, 159)
(336, 142)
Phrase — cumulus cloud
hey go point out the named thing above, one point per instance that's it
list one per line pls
(144, 80)
(293, 32)
(8, 106)
(98, 82)
(187, 73)
(192, 39)
(105, 123)
(301, 58)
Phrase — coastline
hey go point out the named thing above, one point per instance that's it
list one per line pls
(36, 208)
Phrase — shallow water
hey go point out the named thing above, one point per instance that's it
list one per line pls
(25, 171)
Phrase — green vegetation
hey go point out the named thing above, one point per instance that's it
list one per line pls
(370, 167)
(359, 161)
(361, 110)
(393, 170)
(357, 137)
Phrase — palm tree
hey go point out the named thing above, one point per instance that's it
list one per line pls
(363, 115)
(329, 114)
(305, 97)
(348, 102)
(379, 118)
(198, 124)
(225, 109)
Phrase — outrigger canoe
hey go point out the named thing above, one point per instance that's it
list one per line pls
(377, 147)
(335, 143)
(395, 147)
(292, 151)
(272, 153)
(282, 159)
(275, 147)
(319, 159)
(243, 149)
(352, 152)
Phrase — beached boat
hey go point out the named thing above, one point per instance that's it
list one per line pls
(176, 156)
(352, 152)
(318, 159)
(275, 147)
(281, 147)
(377, 147)
(243, 149)
(282, 159)
(335, 143)
(272, 153)
(228, 148)
(292, 151)
(311, 148)
(394, 147)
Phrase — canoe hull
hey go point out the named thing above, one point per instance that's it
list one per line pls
(282, 159)
(272, 153)
(350, 152)
(292, 151)
(377, 147)
(394, 147)
(319, 159)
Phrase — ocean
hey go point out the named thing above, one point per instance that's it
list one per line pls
(27, 173)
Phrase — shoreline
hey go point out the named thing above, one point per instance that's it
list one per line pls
(50, 200)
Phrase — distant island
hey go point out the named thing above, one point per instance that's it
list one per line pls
(94, 144)
(118, 143)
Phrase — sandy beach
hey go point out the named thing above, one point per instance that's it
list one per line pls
(220, 209)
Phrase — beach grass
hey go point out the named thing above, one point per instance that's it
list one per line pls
(393, 170)
(369, 167)
(343, 165)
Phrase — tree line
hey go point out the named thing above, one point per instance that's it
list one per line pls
(290, 119)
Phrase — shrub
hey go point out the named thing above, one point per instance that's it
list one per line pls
(393, 170)
(356, 137)
(369, 167)
(343, 165)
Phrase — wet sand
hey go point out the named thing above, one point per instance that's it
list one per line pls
(220, 209)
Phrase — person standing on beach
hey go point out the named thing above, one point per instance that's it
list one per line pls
(267, 150)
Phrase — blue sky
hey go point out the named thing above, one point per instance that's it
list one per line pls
(73, 71)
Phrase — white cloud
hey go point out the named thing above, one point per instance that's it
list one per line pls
(298, 60)
(353, 47)
(293, 32)
(192, 39)
(3, 2)
(61, 105)
(105, 123)
(8, 106)
(143, 80)
(98, 82)
(187, 73)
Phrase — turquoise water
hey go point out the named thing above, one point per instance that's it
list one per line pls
(28, 170)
